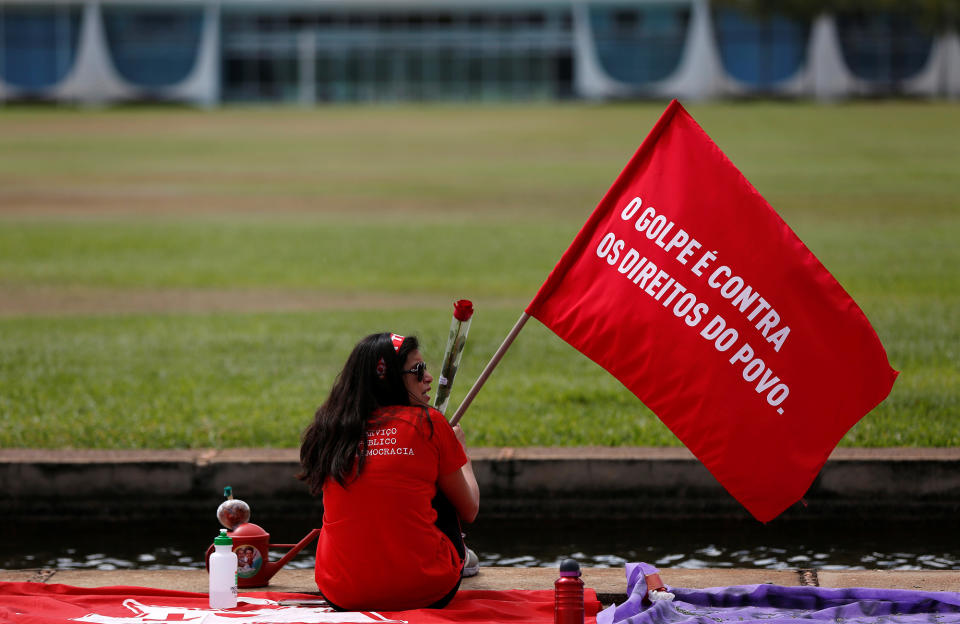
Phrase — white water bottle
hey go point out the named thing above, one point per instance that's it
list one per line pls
(223, 573)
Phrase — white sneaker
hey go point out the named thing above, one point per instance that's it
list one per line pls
(472, 566)
(658, 595)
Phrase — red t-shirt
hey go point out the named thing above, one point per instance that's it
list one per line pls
(379, 548)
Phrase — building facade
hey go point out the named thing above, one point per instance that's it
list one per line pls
(211, 51)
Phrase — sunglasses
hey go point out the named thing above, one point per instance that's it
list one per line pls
(419, 370)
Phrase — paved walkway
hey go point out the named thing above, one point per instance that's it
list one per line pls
(609, 583)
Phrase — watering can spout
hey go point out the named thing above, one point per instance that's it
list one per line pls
(275, 566)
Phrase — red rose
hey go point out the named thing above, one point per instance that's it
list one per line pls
(463, 310)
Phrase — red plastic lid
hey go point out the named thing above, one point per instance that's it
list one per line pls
(248, 529)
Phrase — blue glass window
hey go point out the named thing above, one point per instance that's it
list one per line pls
(153, 47)
(883, 47)
(639, 43)
(39, 44)
(760, 51)
(367, 54)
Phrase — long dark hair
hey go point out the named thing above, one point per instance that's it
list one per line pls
(335, 443)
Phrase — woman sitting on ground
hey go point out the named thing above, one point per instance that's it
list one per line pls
(396, 482)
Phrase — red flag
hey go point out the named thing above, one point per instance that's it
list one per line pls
(688, 287)
(36, 603)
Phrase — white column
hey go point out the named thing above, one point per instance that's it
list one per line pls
(700, 74)
(590, 80)
(202, 86)
(950, 49)
(829, 76)
(4, 90)
(93, 79)
(307, 67)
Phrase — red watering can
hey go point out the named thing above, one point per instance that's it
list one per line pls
(252, 544)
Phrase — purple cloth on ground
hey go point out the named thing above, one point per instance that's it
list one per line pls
(776, 604)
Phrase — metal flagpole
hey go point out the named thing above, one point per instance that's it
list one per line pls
(489, 368)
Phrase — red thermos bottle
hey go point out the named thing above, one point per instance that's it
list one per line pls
(568, 594)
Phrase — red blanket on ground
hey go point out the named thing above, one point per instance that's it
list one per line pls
(36, 603)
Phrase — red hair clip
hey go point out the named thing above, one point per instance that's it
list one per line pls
(397, 341)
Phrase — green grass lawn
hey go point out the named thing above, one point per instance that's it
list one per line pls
(292, 233)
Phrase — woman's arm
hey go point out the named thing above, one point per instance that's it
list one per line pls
(460, 486)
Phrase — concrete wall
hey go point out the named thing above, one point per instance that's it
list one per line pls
(526, 482)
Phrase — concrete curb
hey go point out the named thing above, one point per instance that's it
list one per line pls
(601, 482)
